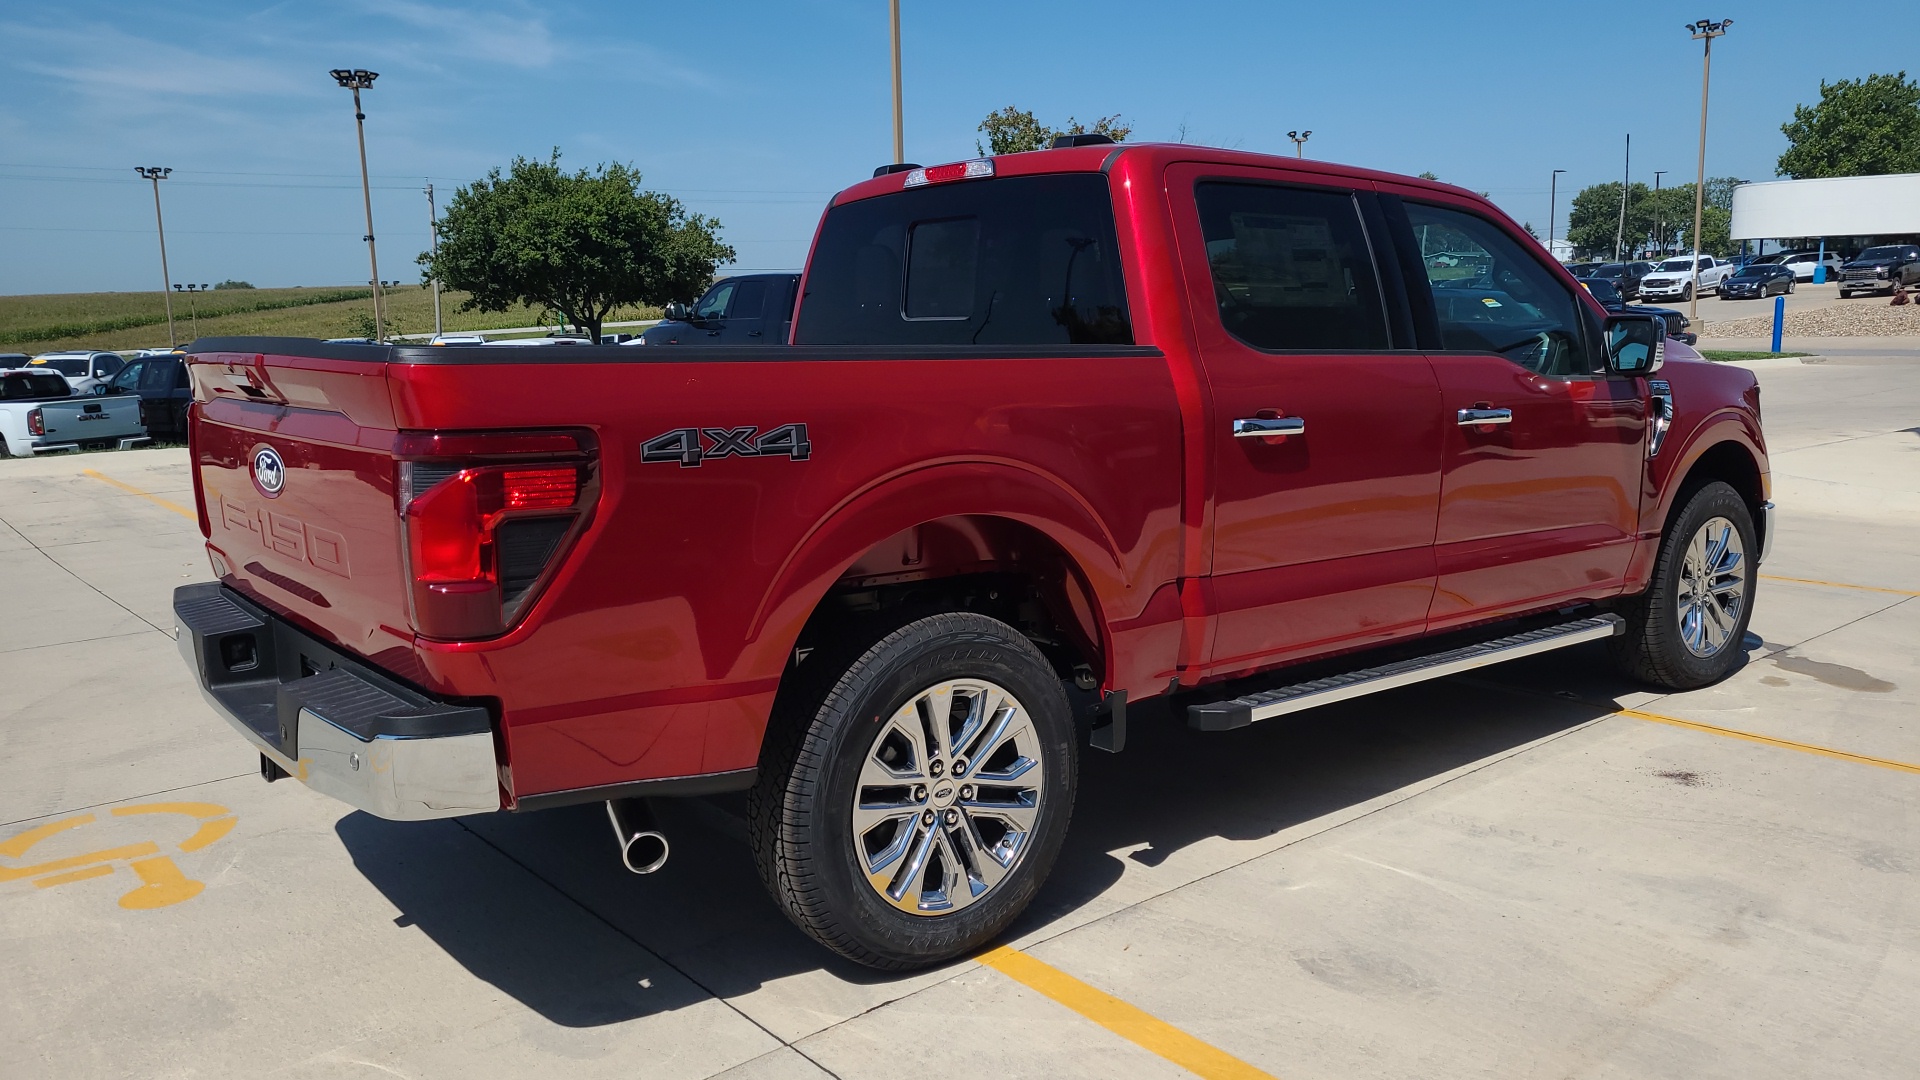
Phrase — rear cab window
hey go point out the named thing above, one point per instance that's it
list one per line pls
(1007, 261)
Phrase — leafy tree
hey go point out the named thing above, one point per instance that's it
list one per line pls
(230, 283)
(1596, 215)
(1013, 131)
(1429, 176)
(1861, 127)
(1531, 231)
(580, 243)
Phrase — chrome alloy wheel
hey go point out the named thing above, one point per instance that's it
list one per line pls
(948, 796)
(1713, 587)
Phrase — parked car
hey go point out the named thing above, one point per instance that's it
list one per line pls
(1677, 279)
(1757, 282)
(747, 309)
(1058, 431)
(1626, 277)
(1678, 325)
(1803, 263)
(458, 339)
(160, 383)
(1581, 270)
(555, 339)
(40, 413)
(1881, 269)
(82, 368)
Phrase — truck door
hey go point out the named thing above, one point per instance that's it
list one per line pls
(1322, 427)
(1544, 449)
(745, 320)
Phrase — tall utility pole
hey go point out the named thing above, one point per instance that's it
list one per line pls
(899, 121)
(1703, 31)
(356, 80)
(1659, 238)
(1553, 206)
(1626, 179)
(433, 231)
(1299, 142)
(156, 174)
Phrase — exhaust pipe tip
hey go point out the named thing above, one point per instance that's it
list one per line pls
(643, 848)
(645, 852)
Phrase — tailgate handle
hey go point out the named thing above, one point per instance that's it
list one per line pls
(90, 408)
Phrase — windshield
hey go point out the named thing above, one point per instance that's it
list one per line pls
(65, 365)
(1602, 290)
(1879, 253)
(1678, 265)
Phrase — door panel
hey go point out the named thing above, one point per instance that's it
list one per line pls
(1541, 506)
(1323, 539)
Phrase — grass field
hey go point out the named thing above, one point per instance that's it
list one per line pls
(33, 324)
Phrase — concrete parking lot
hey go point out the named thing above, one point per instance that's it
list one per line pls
(1538, 870)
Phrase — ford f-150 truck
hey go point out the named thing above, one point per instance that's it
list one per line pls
(1673, 280)
(1056, 432)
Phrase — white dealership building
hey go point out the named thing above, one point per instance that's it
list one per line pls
(1833, 208)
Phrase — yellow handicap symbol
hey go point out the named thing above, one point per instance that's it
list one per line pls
(162, 883)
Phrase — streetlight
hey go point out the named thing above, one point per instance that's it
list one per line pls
(193, 310)
(1703, 31)
(1553, 206)
(899, 123)
(433, 231)
(156, 174)
(1299, 142)
(356, 80)
(1659, 238)
(1626, 184)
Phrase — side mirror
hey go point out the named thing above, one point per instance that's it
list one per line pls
(675, 312)
(1636, 344)
(100, 389)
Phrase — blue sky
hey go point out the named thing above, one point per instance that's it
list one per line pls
(755, 112)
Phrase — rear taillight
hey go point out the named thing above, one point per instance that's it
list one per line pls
(36, 423)
(484, 530)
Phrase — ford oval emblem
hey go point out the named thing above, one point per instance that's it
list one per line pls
(269, 472)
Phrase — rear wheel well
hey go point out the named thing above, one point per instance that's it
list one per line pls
(992, 566)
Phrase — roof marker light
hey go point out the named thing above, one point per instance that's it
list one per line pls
(959, 170)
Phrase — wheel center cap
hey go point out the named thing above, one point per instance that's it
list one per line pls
(943, 794)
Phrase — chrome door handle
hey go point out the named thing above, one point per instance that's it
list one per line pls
(1475, 417)
(1260, 426)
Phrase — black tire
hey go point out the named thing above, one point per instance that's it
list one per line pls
(1686, 292)
(800, 812)
(1652, 649)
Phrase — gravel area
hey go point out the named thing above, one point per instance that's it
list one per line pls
(1869, 317)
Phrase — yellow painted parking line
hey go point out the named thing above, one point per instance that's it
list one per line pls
(1130, 1023)
(1766, 740)
(1840, 585)
(147, 495)
(162, 883)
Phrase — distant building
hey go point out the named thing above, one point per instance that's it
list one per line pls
(1833, 208)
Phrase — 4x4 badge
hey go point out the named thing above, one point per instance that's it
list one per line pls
(691, 446)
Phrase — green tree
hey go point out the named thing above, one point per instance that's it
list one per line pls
(580, 243)
(231, 283)
(1656, 222)
(1861, 127)
(1014, 131)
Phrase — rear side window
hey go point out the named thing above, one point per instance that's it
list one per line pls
(1029, 260)
(158, 375)
(748, 298)
(1291, 269)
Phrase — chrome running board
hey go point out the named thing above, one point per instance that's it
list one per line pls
(1241, 711)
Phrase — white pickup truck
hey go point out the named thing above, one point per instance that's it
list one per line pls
(1671, 281)
(39, 413)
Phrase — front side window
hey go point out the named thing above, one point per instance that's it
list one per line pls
(1291, 268)
(1512, 305)
(1028, 260)
(129, 377)
(714, 304)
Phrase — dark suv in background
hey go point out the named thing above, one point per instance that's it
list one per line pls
(747, 309)
(1624, 276)
(161, 382)
(1881, 269)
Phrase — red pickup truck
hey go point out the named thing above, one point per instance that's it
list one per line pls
(1055, 432)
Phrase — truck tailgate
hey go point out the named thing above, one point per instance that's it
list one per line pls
(85, 419)
(293, 460)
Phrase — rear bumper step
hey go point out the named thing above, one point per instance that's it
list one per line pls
(331, 721)
(1241, 711)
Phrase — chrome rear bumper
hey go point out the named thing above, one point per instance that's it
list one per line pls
(331, 721)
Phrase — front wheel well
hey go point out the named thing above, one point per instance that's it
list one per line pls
(1728, 462)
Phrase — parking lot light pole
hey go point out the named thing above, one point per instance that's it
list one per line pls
(356, 80)
(1299, 142)
(156, 174)
(1703, 31)
(899, 120)
(433, 233)
(1659, 241)
(1553, 206)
